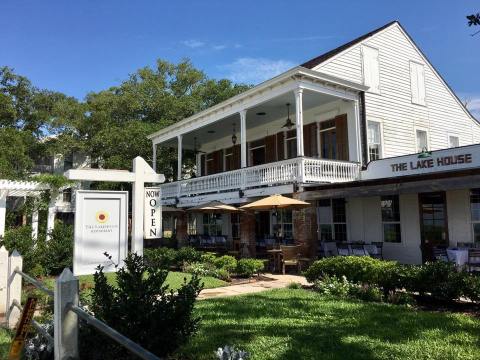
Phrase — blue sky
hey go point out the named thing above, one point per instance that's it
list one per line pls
(85, 45)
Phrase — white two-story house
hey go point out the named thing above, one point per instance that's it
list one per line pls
(369, 133)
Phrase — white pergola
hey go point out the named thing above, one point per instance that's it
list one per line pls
(17, 188)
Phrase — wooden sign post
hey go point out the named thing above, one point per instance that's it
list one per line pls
(142, 173)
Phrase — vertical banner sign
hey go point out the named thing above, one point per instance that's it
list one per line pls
(101, 226)
(152, 226)
(23, 329)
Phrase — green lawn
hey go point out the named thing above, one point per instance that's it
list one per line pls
(5, 340)
(300, 324)
(174, 280)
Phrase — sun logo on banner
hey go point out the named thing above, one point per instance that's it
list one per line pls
(101, 216)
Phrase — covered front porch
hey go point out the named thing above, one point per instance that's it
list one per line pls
(300, 128)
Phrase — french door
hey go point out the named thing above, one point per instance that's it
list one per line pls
(433, 222)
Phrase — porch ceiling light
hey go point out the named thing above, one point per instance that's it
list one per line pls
(288, 124)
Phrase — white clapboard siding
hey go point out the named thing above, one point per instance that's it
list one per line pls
(441, 115)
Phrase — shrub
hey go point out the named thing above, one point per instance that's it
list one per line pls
(143, 309)
(201, 269)
(208, 258)
(440, 279)
(366, 292)
(357, 269)
(20, 239)
(187, 255)
(162, 257)
(57, 253)
(226, 262)
(333, 286)
(249, 267)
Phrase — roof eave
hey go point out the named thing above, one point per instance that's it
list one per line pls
(298, 72)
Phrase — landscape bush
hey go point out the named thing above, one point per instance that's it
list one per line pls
(227, 263)
(357, 269)
(57, 253)
(20, 239)
(344, 289)
(249, 267)
(143, 309)
(439, 279)
(161, 257)
(187, 255)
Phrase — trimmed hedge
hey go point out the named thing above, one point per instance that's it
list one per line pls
(440, 280)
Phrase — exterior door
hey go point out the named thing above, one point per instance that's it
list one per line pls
(433, 222)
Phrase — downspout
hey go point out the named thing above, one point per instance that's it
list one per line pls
(363, 128)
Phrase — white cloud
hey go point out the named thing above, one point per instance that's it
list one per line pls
(219, 47)
(193, 43)
(255, 70)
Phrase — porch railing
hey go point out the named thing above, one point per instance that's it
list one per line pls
(298, 170)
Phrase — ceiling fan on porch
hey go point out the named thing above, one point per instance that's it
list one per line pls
(195, 149)
(288, 124)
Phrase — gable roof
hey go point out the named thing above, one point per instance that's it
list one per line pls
(312, 63)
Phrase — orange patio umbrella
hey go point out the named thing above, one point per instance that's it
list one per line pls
(276, 202)
(214, 206)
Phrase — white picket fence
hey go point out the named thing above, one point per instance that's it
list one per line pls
(67, 311)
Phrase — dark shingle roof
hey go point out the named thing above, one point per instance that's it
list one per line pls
(310, 64)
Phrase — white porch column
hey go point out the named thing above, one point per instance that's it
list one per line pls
(179, 164)
(35, 225)
(3, 212)
(358, 131)
(52, 211)
(299, 120)
(198, 163)
(243, 138)
(154, 156)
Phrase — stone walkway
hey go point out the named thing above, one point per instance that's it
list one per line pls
(274, 282)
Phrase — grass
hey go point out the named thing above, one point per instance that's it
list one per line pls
(5, 340)
(300, 324)
(174, 280)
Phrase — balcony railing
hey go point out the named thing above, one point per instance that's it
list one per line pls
(298, 170)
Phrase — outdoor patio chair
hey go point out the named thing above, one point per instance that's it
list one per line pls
(329, 248)
(375, 249)
(343, 249)
(290, 256)
(473, 263)
(440, 253)
(358, 250)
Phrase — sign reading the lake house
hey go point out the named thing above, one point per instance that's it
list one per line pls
(101, 227)
(464, 157)
(152, 215)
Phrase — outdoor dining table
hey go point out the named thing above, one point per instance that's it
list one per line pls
(458, 255)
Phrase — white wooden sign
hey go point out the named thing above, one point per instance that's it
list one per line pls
(152, 215)
(101, 226)
(464, 157)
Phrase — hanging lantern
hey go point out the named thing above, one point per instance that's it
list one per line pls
(288, 124)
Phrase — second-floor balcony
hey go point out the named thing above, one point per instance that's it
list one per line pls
(299, 128)
(299, 170)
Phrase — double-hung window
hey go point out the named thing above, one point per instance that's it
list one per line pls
(453, 141)
(332, 220)
(374, 141)
(212, 224)
(417, 83)
(475, 214)
(422, 140)
(391, 218)
(284, 224)
(192, 224)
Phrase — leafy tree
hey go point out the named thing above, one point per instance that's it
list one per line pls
(15, 157)
(474, 20)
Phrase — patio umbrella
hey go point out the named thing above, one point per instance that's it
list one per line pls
(276, 202)
(171, 209)
(214, 206)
